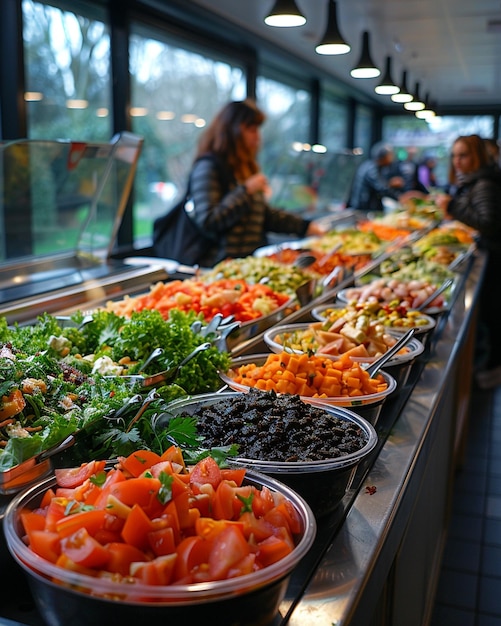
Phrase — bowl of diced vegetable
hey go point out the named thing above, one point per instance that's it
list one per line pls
(314, 448)
(317, 338)
(335, 382)
(357, 317)
(147, 540)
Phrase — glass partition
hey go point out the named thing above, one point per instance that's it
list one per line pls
(64, 196)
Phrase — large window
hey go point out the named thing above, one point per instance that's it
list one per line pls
(434, 137)
(286, 133)
(175, 93)
(67, 66)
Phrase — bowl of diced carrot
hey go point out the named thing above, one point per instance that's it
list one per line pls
(319, 378)
(149, 540)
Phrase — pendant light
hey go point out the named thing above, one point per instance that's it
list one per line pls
(365, 68)
(332, 42)
(416, 104)
(427, 112)
(387, 87)
(404, 95)
(285, 14)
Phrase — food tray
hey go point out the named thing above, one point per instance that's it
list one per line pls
(20, 476)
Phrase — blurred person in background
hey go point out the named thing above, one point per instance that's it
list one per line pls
(230, 192)
(426, 172)
(408, 169)
(373, 180)
(493, 149)
(475, 200)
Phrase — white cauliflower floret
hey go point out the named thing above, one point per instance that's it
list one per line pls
(107, 367)
(16, 430)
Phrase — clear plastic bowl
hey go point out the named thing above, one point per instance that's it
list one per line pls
(398, 366)
(322, 483)
(368, 406)
(64, 597)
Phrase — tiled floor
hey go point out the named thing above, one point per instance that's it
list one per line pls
(469, 590)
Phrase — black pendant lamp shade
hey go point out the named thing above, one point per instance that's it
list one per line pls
(365, 68)
(387, 87)
(416, 104)
(332, 42)
(285, 14)
(404, 94)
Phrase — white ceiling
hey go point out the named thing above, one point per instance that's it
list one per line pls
(451, 47)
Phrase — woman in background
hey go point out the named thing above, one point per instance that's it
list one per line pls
(475, 200)
(230, 192)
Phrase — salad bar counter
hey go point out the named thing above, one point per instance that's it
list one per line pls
(370, 553)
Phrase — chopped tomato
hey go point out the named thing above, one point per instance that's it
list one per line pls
(141, 491)
(235, 475)
(271, 550)
(191, 553)
(46, 544)
(121, 555)
(137, 462)
(84, 550)
(156, 572)
(136, 528)
(228, 548)
(74, 476)
(162, 541)
(91, 520)
(32, 520)
(206, 471)
(56, 510)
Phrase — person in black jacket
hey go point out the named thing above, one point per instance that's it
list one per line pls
(373, 180)
(230, 193)
(475, 200)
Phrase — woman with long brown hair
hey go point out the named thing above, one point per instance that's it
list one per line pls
(476, 201)
(230, 192)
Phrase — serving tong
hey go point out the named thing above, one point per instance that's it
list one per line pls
(217, 330)
(373, 368)
(166, 376)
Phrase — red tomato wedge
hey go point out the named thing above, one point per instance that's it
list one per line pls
(155, 522)
(75, 476)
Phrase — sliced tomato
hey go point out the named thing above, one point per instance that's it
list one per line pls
(206, 471)
(64, 561)
(255, 527)
(222, 507)
(121, 555)
(209, 528)
(74, 476)
(47, 497)
(174, 454)
(137, 462)
(32, 520)
(136, 528)
(142, 491)
(162, 541)
(84, 550)
(192, 552)
(56, 510)
(186, 513)
(157, 572)
(228, 548)
(235, 475)
(263, 501)
(246, 566)
(46, 544)
(92, 520)
(271, 550)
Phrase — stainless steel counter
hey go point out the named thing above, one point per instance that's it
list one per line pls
(377, 556)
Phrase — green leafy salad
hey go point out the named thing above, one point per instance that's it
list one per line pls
(53, 383)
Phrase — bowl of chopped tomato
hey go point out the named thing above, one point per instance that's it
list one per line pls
(313, 448)
(338, 382)
(147, 539)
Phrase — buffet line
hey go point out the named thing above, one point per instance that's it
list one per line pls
(276, 346)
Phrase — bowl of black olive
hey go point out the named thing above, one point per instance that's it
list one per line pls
(313, 448)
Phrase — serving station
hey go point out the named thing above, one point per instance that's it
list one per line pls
(376, 556)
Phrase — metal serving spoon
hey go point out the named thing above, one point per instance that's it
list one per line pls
(376, 365)
(445, 285)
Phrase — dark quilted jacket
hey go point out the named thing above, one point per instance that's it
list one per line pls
(238, 221)
(477, 203)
